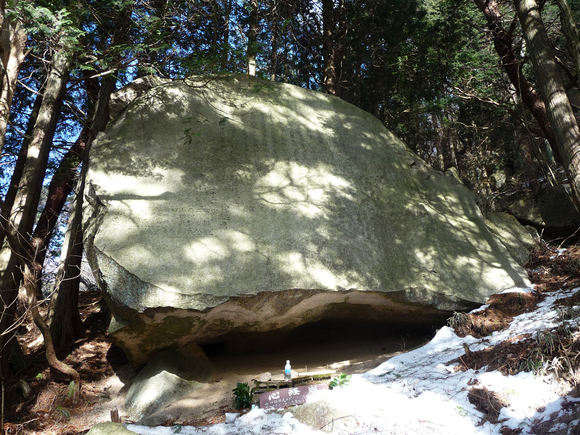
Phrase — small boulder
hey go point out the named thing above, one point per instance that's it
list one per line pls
(499, 179)
(321, 414)
(557, 208)
(169, 376)
(514, 236)
(550, 207)
(525, 209)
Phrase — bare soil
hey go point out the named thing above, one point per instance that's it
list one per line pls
(487, 402)
(498, 315)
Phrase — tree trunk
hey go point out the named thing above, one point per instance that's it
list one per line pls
(274, 38)
(18, 249)
(9, 295)
(63, 315)
(225, 56)
(564, 126)
(48, 135)
(63, 180)
(253, 38)
(450, 151)
(274, 53)
(12, 52)
(329, 47)
(571, 32)
(18, 167)
(64, 318)
(334, 28)
(29, 283)
(502, 41)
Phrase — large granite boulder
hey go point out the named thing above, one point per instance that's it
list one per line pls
(222, 206)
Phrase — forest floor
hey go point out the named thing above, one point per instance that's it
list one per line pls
(47, 407)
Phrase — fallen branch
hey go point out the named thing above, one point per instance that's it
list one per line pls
(569, 237)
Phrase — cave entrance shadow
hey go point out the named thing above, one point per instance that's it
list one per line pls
(345, 346)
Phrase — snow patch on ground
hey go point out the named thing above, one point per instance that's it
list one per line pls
(421, 392)
(517, 290)
(559, 252)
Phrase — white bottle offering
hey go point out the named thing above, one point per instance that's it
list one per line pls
(287, 370)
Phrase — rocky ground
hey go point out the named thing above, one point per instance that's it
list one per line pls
(48, 409)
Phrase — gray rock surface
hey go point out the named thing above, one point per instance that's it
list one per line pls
(88, 281)
(516, 238)
(557, 208)
(526, 210)
(169, 376)
(549, 207)
(234, 205)
(324, 415)
(123, 97)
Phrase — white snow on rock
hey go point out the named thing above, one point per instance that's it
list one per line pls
(421, 392)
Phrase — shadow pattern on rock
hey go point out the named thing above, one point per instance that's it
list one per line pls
(204, 192)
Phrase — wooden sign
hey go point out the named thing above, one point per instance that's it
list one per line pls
(285, 397)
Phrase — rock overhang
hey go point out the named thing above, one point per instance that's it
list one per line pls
(208, 190)
(141, 335)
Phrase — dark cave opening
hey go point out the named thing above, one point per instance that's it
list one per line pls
(346, 346)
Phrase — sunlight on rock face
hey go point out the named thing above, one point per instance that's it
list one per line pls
(165, 295)
(323, 275)
(151, 391)
(205, 193)
(141, 208)
(141, 254)
(155, 183)
(208, 249)
(307, 190)
(294, 262)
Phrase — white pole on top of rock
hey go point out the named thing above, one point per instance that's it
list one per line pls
(252, 49)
